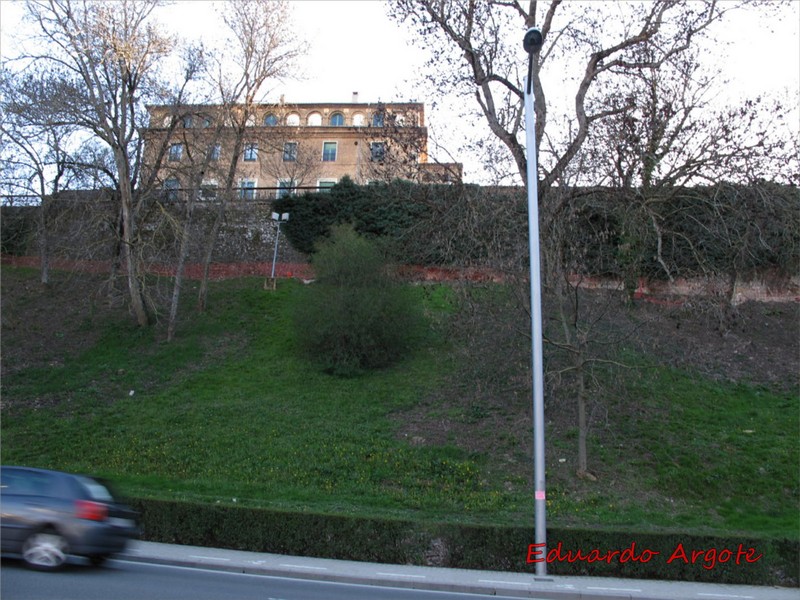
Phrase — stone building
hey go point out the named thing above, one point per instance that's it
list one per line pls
(269, 150)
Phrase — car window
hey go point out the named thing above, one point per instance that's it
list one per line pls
(27, 483)
(9, 481)
(95, 489)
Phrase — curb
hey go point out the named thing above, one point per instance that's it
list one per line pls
(518, 585)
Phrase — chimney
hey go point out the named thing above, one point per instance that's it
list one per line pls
(355, 97)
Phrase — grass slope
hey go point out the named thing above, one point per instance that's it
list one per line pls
(229, 413)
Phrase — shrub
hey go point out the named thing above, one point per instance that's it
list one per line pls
(463, 546)
(354, 317)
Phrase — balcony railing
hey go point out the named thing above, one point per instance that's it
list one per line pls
(242, 194)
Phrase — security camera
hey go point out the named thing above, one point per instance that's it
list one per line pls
(533, 40)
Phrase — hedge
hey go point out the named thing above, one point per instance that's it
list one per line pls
(642, 555)
(724, 229)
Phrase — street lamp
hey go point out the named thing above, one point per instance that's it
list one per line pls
(532, 43)
(278, 218)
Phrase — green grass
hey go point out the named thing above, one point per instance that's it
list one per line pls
(699, 455)
(230, 413)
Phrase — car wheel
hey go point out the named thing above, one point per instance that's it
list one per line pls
(45, 550)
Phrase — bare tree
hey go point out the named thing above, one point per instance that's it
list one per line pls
(198, 165)
(36, 158)
(475, 53)
(262, 48)
(671, 136)
(108, 52)
(396, 149)
(594, 50)
(296, 162)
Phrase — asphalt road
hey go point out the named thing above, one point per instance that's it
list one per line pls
(122, 580)
(157, 571)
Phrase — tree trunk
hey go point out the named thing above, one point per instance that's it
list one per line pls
(582, 454)
(44, 245)
(178, 284)
(202, 295)
(128, 242)
(211, 240)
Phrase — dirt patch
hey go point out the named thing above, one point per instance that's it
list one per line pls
(753, 342)
(42, 326)
(487, 408)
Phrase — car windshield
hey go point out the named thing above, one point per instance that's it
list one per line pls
(96, 490)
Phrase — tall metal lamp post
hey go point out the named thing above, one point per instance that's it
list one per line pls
(278, 218)
(532, 43)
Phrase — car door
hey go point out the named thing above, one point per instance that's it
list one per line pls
(26, 503)
(14, 517)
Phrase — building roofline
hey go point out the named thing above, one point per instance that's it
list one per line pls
(294, 105)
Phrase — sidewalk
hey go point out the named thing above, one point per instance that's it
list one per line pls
(523, 585)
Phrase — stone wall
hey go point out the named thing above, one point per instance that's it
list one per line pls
(88, 231)
(82, 235)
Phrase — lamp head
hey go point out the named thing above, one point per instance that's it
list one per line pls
(533, 40)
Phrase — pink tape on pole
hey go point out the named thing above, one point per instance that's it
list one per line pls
(540, 495)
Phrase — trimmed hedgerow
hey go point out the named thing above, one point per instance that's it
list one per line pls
(643, 555)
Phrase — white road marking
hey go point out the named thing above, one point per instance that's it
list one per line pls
(305, 567)
(726, 596)
(502, 582)
(402, 575)
(210, 558)
(608, 589)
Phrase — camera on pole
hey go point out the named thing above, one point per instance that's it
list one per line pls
(533, 40)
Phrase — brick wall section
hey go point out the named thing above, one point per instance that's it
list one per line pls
(765, 288)
(217, 271)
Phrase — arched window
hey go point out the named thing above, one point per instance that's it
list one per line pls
(358, 120)
(270, 120)
(314, 119)
(251, 121)
(293, 120)
(337, 119)
(377, 119)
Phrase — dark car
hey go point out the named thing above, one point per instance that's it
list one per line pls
(45, 516)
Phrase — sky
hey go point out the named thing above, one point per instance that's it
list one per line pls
(355, 47)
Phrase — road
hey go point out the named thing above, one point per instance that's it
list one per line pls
(157, 571)
(122, 580)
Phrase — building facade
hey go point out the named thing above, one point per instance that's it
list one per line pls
(269, 150)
